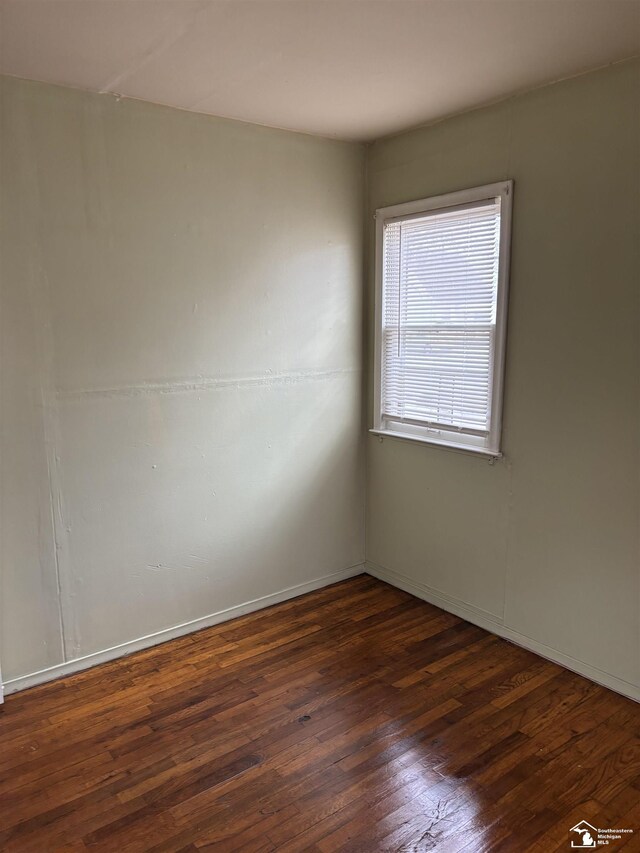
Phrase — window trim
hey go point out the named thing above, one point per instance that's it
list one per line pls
(490, 445)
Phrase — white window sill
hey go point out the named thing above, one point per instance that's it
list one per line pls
(439, 442)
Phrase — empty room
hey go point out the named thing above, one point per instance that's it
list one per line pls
(320, 426)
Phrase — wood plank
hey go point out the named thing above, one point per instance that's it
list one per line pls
(352, 718)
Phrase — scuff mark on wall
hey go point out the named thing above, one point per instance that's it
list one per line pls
(201, 384)
(40, 301)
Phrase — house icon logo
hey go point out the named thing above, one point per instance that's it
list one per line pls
(587, 836)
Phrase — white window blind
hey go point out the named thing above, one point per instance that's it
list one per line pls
(439, 314)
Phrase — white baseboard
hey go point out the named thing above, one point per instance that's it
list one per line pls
(495, 625)
(22, 682)
(479, 617)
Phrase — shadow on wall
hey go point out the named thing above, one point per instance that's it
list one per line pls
(179, 505)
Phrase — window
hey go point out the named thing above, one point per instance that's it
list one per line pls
(441, 310)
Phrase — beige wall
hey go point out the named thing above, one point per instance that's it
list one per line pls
(544, 544)
(181, 368)
(181, 353)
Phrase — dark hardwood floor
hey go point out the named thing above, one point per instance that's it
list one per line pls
(355, 718)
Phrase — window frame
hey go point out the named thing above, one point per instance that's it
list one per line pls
(488, 445)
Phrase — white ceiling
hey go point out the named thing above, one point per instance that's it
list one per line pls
(354, 69)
